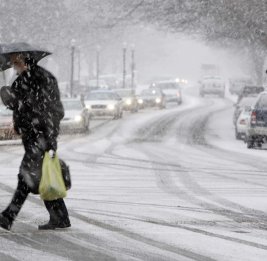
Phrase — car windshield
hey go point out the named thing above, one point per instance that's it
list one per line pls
(72, 105)
(150, 92)
(101, 96)
(5, 112)
(167, 86)
(124, 93)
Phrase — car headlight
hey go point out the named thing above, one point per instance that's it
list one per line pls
(78, 118)
(128, 101)
(88, 107)
(158, 100)
(140, 101)
(111, 107)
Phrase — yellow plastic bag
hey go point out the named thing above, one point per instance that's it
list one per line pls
(52, 185)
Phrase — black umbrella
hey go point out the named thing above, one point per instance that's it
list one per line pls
(6, 49)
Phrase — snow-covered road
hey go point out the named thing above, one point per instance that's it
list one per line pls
(158, 185)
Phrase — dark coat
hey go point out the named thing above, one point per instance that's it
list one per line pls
(37, 109)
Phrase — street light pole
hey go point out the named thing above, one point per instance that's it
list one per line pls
(133, 67)
(124, 65)
(72, 67)
(79, 66)
(97, 64)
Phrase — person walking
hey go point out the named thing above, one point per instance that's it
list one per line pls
(37, 111)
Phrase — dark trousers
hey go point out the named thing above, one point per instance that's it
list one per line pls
(32, 163)
(56, 208)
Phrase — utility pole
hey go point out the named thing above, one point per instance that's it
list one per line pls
(79, 66)
(72, 67)
(133, 68)
(97, 65)
(124, 50)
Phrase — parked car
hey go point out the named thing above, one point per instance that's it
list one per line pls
(76, 116)
(152, 97)
(256, 133)
(246, 101)
(129, 99)
(242, 123)
(250, 91)
(212, 85)
(6, 124)
(236, 85)
(104, 103)
(171, 89)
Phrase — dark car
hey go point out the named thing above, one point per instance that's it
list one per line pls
(129, 99)
(257, 130)
(249, 91)
(236, 85)
(171, 90)
(152, 97)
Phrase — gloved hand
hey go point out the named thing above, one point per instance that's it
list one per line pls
(51, 145)
(52, 153)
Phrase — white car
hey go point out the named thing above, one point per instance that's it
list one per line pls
(76, 116)
(104, 103)
(242, 123)
(212, 85)
(6, 124)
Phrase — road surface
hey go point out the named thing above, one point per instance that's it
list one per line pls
(168, 184)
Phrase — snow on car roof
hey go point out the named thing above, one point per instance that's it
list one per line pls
(246, 101)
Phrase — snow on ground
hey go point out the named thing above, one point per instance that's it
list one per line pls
(157, 185)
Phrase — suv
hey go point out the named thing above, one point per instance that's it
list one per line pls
(256, 133)
(212, 85)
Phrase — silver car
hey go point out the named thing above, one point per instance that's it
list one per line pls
(6, 124)
(76, 116)
(104, 103)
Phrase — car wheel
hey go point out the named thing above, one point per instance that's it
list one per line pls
(259, 145)
(86, 128)
(115, 116)
(250, 143)
(238, 135)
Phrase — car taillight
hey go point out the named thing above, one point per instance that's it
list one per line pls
(242, 122)
(253, 119)
(178, 94)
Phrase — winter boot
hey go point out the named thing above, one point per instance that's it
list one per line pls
(5, 223)
(54, 225)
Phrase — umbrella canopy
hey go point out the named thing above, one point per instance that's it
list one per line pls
(6, 49)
